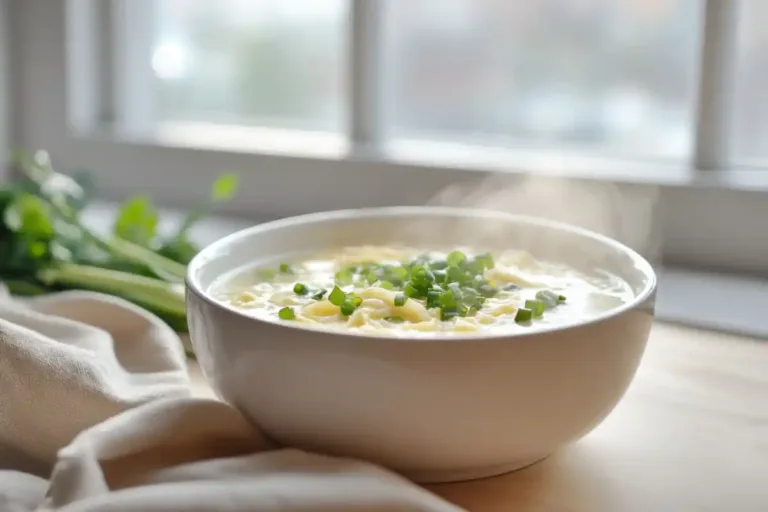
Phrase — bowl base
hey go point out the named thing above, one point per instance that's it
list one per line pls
(462, 475)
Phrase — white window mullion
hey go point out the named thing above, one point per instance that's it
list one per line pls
(365, 73)
(89, 98)
(133, 37)
(5, 85)
(717, 71)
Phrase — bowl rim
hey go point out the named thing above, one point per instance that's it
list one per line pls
(205, 255)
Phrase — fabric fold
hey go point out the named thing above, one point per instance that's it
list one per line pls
(96, 414)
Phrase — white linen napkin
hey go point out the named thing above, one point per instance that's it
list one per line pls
(96, 414)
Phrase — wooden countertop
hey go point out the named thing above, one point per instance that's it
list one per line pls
(690, 435)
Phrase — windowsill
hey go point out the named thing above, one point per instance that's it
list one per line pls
(685, 296)
(569, 161)
(696, 298)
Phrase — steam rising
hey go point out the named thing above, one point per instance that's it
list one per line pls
(626, 213)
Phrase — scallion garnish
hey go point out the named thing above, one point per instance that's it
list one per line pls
(486, 290)
(536, 307)
(523, 315)
(448, 314)
(455, 258)
(286, 314)
(548, 298)
(411, 291)
(347, 307)
(455, 284)
(337, 296)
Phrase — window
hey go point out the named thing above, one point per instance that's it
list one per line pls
(313, 101)
(607, 75)
(617, 75)
(276, 62)
(750, 123)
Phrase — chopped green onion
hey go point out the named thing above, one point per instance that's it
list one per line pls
(433, 298)
(420, 275)
(561, 298)
(455, 288)
(455, 258)
(319, 294)
(399, 273)
(536, 306)
(438, 264)
(447, 314)
(523, 315)
(286, 314)
(347, 307)
(337, 296)
(484, 261)
(394, 319)
(454, 275)
(447, 300)
(300, 289)
(548, 298)
(285, 268)
(400, 300)
(411, 291)
(487, 290)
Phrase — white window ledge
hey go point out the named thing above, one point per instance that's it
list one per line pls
(717, 301)
(709, 300)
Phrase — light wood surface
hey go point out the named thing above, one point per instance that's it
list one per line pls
(690, 435)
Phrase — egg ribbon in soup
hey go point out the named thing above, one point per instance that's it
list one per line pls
(402, 292)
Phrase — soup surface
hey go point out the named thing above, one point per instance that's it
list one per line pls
(406, 291)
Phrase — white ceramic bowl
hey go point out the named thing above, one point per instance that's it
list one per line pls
(442, 409)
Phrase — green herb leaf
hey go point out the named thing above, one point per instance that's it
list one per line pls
(28, 215)
(286, 313)
(137, 221)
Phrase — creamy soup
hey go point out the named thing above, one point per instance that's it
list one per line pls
(406, 292)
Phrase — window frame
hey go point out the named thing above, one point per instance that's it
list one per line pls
(701, 208)
(5, 84)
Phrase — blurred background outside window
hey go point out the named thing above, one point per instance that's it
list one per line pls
(614, 75)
